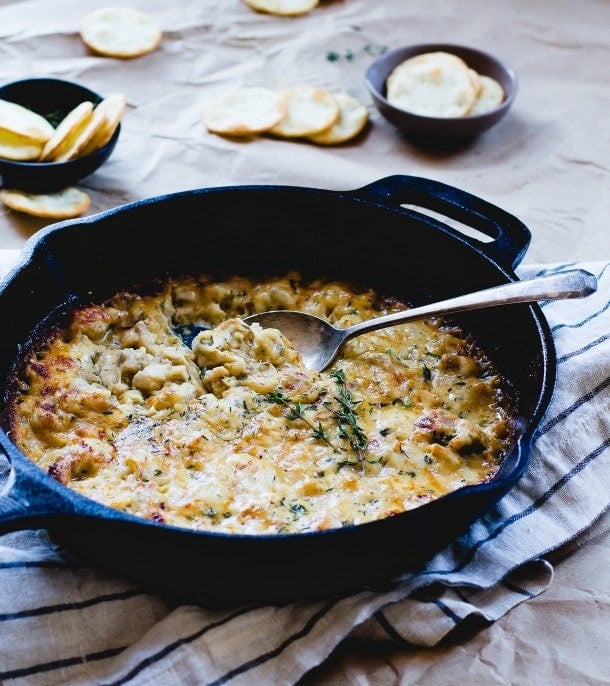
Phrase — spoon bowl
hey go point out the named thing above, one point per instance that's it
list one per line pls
(319, 342)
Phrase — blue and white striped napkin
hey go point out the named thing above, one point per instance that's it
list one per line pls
(64, 623)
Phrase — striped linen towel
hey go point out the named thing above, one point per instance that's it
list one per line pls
(64, 623)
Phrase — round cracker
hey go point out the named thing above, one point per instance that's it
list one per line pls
(67, 203)
(16, 147)
(434, 84)
(66, 131)
(84, 135)
(24, 122)
(245, 111)
(113, 108)
(286, 8)
(310, 109)
(353, 116)
(489, 97)
(439, 57)
(121, 32)
(476, 81)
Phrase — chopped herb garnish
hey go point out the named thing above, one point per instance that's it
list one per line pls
(320, 433)
(346, 417)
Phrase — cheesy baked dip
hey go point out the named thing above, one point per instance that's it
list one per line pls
(231, 433)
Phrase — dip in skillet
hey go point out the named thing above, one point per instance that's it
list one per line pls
(233, 434)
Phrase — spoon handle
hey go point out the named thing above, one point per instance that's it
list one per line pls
(575, 283)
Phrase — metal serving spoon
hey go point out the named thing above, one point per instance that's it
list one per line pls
(319, 342)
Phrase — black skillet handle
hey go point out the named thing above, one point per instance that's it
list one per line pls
(511, 237)
(26, 502)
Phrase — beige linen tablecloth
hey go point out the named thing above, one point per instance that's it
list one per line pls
(547, 163)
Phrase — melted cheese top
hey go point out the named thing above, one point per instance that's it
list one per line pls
(233, 434)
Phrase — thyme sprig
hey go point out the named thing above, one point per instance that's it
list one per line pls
(347, 419)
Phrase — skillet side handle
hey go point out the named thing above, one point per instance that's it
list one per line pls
(511, 236)
(25, 501)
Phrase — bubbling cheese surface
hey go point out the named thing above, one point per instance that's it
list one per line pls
(233, 434)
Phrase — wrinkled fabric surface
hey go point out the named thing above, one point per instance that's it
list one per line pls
(546, 162)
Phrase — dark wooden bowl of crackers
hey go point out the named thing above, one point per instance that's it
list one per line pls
(441, 91)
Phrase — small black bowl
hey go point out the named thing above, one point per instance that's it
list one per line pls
(441, 128)
(52, 98)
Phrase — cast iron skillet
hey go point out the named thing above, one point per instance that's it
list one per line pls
(364, 234)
